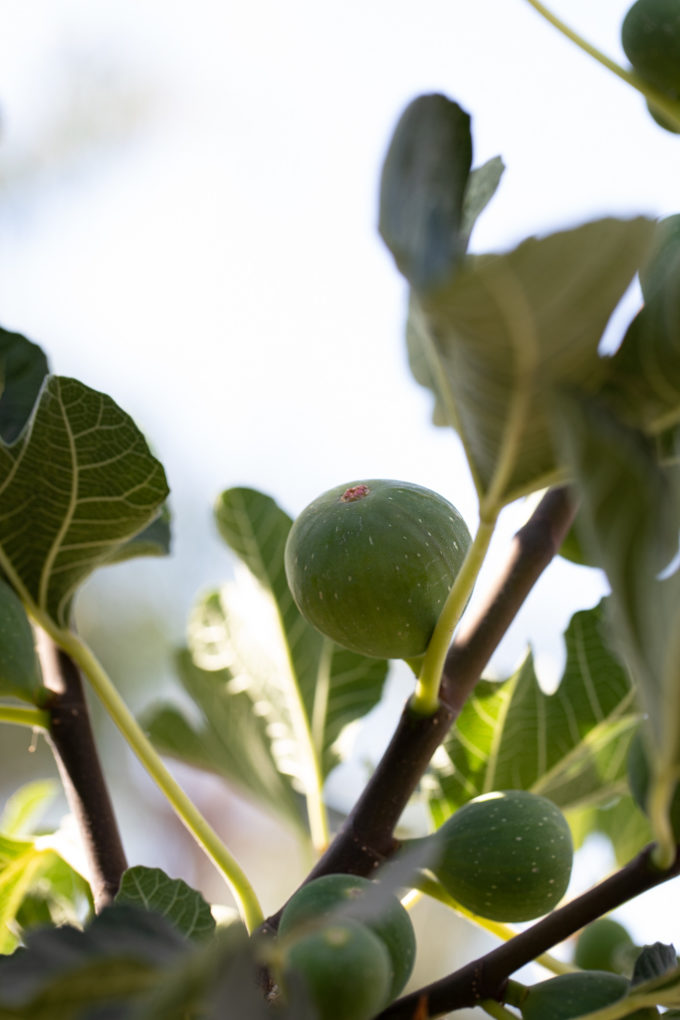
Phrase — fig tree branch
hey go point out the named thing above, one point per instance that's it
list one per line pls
(367, 836)
(486, 977)
(72, 741)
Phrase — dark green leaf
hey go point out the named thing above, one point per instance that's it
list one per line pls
(422, 190)
(508, 330)
(23, 368)
(153, 540)
(74, 487)
(183, 906)
(654, 961)
(20, 675)
(569, 746)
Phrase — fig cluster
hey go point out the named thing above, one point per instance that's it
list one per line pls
(349, 942)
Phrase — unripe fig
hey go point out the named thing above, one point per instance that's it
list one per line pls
(344, 967)
(370, 565)
(650, 35)
(605, 945)
(574, 995)
(639, 778)
(335, 897)
(506, 856)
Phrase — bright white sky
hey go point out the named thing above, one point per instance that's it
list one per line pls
(210, 258)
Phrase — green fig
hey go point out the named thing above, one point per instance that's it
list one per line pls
(370, 565)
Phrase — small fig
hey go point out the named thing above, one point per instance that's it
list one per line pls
(335, 897)
(344, 967)
(650, 36)
(506, 856)
(574, 995)
(605, 945)
(370, 565)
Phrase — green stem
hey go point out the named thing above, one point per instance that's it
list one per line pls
(425, 700)
(194, 821)
(435, 890)
(494, 1009)
(33, 717)
(666, 106)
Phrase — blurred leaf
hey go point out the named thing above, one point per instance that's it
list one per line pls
(621, 821)
(508, 330)
(25, 806)
(183, 906)
(63, 970)
(569, 746)
(229, 739)
(74, 487)
(630, 513)
(654, 961)
(131, 964)
(20, 674)
(645, 371)
(422, 190)
(20, 863)
(23, 368)
(481, 186)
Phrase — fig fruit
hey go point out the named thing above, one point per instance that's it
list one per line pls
(574, 995)
(650, 36)
(343, 966)
(506, 856)
(639, 778)
(336, 897)
(605, 945)
(370, 565)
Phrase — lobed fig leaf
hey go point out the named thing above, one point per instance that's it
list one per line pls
(370, 565)
(506, 856)
(336, 897)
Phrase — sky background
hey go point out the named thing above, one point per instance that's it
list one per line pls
(188, 207)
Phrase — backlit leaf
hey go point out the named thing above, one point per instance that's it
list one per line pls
(508, 330)
(569, 746)
(183, 906)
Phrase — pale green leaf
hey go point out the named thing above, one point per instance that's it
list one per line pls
(630, 513)
(20, 675)
(273, 695)
(20, 865)
(24, 808)
(569, 746)
(480, 188)
(228, 738)
(508, 330)
(76, 485)
(183, 906)
(620, 820)
(324, 687)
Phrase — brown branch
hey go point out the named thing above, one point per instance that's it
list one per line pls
(366, 838)
(74, 748)
(486, 977)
